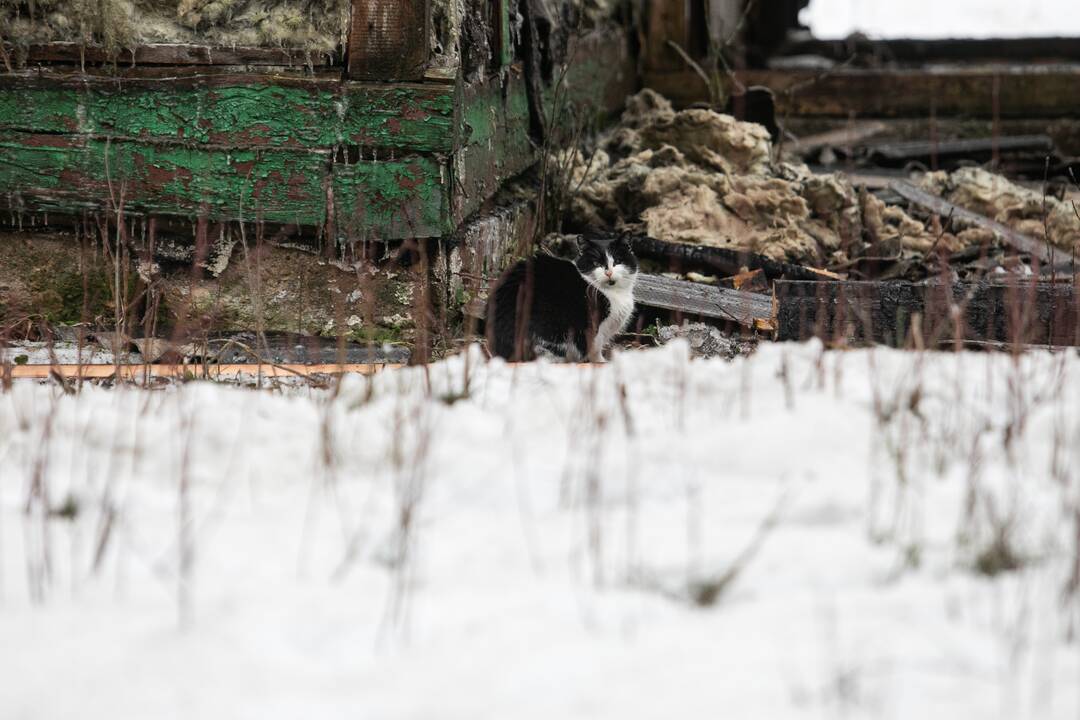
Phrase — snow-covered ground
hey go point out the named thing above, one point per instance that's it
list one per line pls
(794, 535)
(943, 19)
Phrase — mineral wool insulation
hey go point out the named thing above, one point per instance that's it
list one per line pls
(700, 177)
(318, 26)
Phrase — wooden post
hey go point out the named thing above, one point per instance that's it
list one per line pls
(504, 42)
(389, 39)
(666, 20)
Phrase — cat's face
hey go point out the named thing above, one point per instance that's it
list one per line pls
(607, 264)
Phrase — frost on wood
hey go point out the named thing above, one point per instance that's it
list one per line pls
(318, 26)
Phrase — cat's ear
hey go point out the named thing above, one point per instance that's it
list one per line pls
(567, 247)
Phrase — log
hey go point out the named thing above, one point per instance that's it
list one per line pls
(1021, 91)
(389, 39)
(944, 208)
(1039, 313)
(752, 310)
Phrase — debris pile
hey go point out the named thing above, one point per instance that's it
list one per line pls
(318, 26)
(1040, 215)
(706, 341)
(699, 177)
(702, 178)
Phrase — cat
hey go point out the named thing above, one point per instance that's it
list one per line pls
(575, 308)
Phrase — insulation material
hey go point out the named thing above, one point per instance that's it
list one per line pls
(891, 230)
(700, 177)
(703, 178)
(318, 26)
(1026, 211)
(711, 140)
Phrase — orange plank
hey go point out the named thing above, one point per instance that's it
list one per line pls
(194, 370)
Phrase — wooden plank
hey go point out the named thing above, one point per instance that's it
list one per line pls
(665, 22)
(234, 111)
(67, 173)
(504, 41)
(1023, 91)
(384, 199)
(846, 137)
(752, 310)
(943, 208)
(884, 312)
(724, 261)
(196, 370)
(393, 199)
(968, 148)
(389, 39)
(173, 54)
(916, 51)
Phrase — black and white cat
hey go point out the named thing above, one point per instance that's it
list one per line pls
(572, 310)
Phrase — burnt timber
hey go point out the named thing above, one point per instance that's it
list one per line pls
(1011, 91)
(929, 314)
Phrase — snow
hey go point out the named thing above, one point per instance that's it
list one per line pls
(531, 548)
(937, 19)
(61, 353)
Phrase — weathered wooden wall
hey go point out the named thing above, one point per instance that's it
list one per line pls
(367, 160)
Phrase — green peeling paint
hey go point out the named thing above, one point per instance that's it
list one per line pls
(365, 160)
(403, 198)
(412, 118)
(56, 172)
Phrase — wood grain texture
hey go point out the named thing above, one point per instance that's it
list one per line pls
(874, 312)
(389, 39)
(752, 310)
(1024, 91)
(665, 22)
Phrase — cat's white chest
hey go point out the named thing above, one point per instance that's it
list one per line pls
(621, 309)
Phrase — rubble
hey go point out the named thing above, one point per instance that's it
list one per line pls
(706, 341)
(1030, 212)
(702, 178)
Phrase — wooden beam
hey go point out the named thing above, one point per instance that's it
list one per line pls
(1023, 91)
(233, 110)
(504, 41)
(752, 310)
(913, 51)
(389, 39)
(725, 261)
(1041, 313)
(943, 208)
(196, 370)
(845, 137)
(665, 22)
